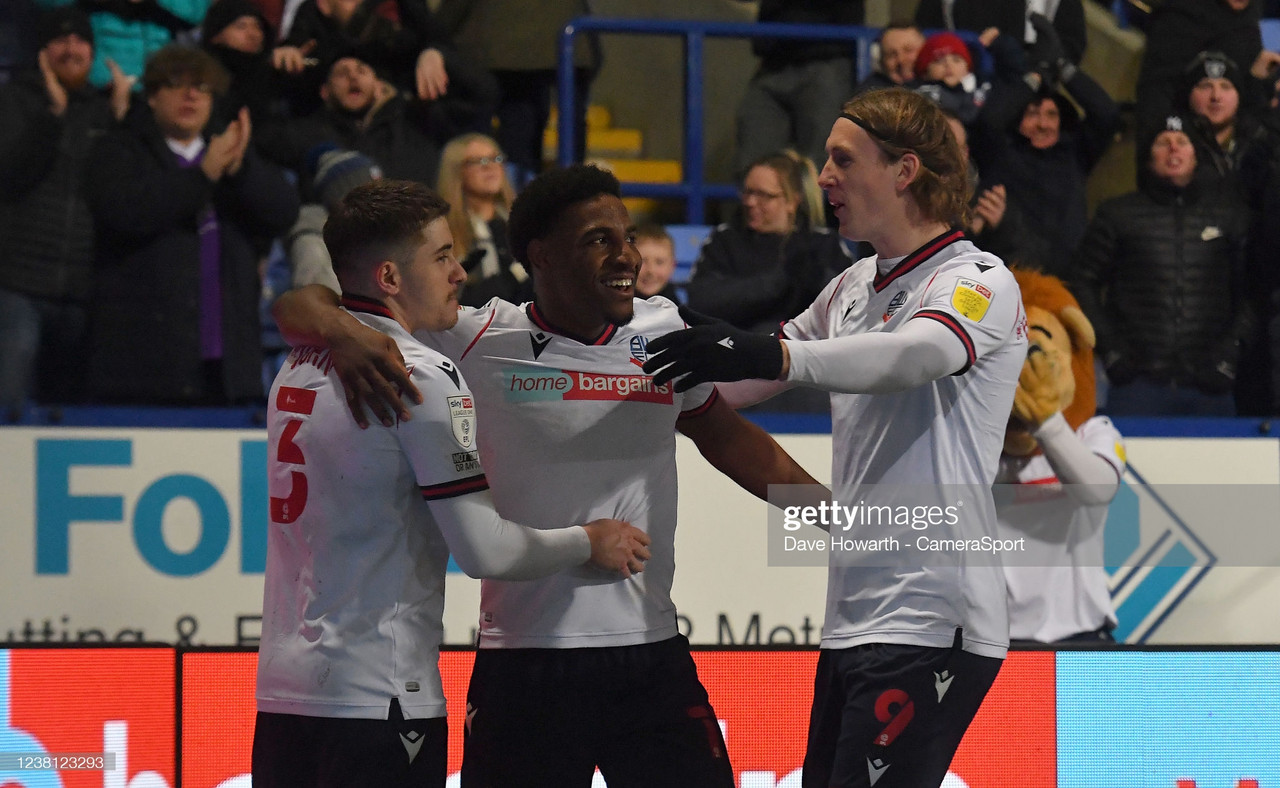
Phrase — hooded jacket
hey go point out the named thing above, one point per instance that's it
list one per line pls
(1047, 185)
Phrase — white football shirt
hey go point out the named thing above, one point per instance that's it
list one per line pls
(1059, 588)
(354, 588)
(946, 432)
(572, 429)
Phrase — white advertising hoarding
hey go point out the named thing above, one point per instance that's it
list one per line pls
(159, 535)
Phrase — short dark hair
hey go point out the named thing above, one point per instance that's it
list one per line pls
(545, 199)
(177, 64)
(376, 221)
(898, 24)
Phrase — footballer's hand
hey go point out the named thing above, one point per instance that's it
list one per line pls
(617, 546)
(713, 351)
(372, 372)
(1039, 394)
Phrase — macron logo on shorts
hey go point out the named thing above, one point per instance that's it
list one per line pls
(546, 385)
(942, 682)
(412, 742)
(875, 769)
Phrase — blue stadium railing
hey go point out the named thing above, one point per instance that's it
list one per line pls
(694, 189)
(254, 418)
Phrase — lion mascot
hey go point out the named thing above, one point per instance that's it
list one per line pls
(1058, 374)
(1060, 468)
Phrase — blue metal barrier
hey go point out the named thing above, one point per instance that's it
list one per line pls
(693, 187)
(254, 418)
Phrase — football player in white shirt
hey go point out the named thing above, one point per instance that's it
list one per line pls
(578, 671)
(921, 346)
(363, 523)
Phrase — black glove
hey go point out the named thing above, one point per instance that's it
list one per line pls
(1047, 54)
(712, 350)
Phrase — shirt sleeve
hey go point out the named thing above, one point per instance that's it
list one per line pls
(486, 546)
(440, 442)
(440, 438)
(878, 362)
(1104, 440)
(980, 305)
(1090, 459)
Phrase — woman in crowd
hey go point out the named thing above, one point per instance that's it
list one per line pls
(474, 180)
(774, 257)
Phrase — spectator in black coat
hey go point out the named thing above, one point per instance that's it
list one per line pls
(402, 134)
(49, 120)
(1223, 124)
(413, 49)
(1258, 386)
(174, 318)
(237, 34)
(1161, 277)
(993, 225)
(1032, 139)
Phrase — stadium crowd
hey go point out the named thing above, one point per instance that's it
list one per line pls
(166, 167)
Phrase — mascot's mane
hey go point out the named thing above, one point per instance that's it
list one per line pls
(1048, 293)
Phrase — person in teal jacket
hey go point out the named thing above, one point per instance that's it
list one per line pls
(128, 31)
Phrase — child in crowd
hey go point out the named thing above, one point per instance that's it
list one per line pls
(658, 256)
(944, 73)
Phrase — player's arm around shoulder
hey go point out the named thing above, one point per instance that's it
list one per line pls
(743, 451)
(368, 362)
